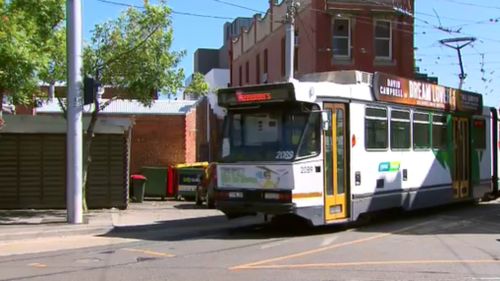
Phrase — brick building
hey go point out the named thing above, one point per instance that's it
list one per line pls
(330, 35)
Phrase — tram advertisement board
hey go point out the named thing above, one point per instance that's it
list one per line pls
(394, 89)
(248, 176)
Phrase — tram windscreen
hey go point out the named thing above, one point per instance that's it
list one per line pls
(271, 134)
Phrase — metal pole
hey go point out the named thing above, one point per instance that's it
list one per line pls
(289, 53)
(448, 43)
(292, 8)
(75, 108)
(462, 75)
(208, 129)
(52, 90)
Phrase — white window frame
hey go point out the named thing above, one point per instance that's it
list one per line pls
(396, 119)
(349, 37)
(387, 122)
(382, 38)
(429, 128)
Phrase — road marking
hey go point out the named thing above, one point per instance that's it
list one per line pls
(322, 249)
(373, 263)
(328, 240)
(274, 244)
(51, 244)
(37, 265)
(151, 253)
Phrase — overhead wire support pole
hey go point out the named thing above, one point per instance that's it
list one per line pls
(292, 10)
(74, 204)
(458, 44)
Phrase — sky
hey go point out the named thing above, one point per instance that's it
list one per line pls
(199, 24)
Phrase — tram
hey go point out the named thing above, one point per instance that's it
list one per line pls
(336, 145)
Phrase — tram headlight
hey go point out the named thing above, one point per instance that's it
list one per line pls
(235, 194)
(271, 196)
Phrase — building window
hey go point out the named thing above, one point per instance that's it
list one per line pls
(375, 128)
(400, 129)
(265, 61)
(439, 132)
(247, 72)
(421, 131)
(296, 52)
(283, 56)
(257, 69)
(383, 39)
(240, 76)
(264, 76)
(341, 38)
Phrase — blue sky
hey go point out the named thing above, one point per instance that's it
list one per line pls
(461, 18)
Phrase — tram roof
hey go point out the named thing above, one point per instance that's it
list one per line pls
(362, 86)
(349, 84)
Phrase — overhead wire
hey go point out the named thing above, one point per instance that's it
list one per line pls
(238, 6)
(430, 27)
(474, 5)
(116, 3)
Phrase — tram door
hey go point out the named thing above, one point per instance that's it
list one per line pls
(461, 171)
(335, 164)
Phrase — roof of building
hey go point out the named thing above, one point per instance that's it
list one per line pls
(56, 124)
(130, 107)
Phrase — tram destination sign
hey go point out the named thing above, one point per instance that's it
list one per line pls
(394, 89)
(256, 94)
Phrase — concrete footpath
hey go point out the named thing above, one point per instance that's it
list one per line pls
(139, 217)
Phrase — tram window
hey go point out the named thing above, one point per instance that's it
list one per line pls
(236, 124)
(310, 145)
(439, 132)
(421, 131)
(400, 129)
(376, 128)
(293, 127)
(261, 128)
(479, 135)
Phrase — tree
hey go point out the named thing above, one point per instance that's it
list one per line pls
(132, 53)
(56, 69)
(27, 30)
(198, 87)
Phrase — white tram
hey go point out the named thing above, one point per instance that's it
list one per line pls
(336, 145)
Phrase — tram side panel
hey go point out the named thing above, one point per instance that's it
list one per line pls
(307, 194)
(496, 148)
(387, 178)
(481, 156)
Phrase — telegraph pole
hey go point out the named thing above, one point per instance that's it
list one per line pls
(292, 10)
(74, 113)
(460, 43)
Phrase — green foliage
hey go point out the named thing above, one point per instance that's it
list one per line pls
(133, 53)
(198, 87)
(27, 32)
(55, 69)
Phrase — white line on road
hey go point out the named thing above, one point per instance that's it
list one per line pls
(328, 240)
(275, 243)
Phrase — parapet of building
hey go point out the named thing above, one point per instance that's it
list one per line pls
(330, 35)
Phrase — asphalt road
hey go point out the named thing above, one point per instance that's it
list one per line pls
(453, 243)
